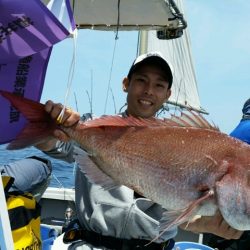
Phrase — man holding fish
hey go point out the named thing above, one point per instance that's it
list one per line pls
(112, 216)
(148, 85)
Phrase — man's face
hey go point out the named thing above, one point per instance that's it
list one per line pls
(147, 91)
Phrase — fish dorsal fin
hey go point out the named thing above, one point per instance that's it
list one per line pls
(187, 119)
(130, 121)
(190, 119)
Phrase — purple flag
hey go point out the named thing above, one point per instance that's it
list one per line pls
(25, 78)
(63, 12)
(27, 27)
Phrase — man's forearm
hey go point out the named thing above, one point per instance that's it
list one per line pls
(47, 146)
(60, 150)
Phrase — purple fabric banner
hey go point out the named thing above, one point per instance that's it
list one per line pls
(27, 27)
(63, 12)
(25, 78)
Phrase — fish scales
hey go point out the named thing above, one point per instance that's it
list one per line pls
(187, 169)
(157, 170)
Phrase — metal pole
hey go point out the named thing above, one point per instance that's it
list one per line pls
(143, 43)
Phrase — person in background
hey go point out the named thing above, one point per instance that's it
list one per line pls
(31, 175)
(241, 132)
(120, 218)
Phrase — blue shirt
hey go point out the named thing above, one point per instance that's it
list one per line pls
(242, 131)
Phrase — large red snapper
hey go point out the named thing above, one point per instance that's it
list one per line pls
(189, 169)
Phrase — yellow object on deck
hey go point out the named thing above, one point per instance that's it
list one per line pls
(24, 214)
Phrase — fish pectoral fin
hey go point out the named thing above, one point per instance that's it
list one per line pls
(92, 171)
(174, 218)
(171, 218)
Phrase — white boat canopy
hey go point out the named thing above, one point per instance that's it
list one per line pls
(126, 14)
(178, 53)
(159, 23)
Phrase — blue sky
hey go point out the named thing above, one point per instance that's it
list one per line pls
(221, 54)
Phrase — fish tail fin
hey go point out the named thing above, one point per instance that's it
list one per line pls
(175, 218)
(39, 127)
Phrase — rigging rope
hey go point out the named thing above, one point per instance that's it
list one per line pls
(113, 56)
(110, 75)
(70, 76)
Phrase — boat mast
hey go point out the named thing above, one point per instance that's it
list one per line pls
(143, 42)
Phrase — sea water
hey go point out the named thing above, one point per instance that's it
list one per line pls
(62, 172)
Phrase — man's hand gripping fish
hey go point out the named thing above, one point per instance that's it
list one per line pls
(184, 164)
